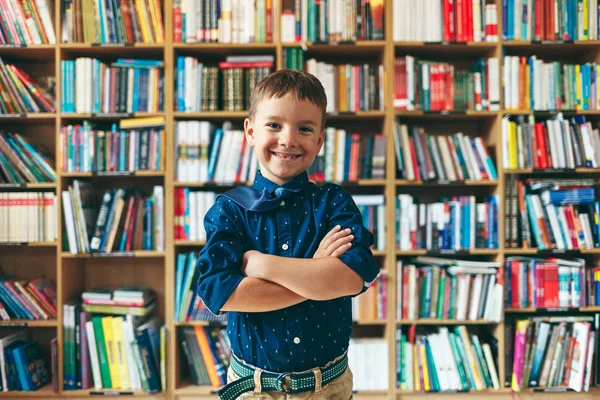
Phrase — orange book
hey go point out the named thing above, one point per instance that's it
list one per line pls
(207, 355)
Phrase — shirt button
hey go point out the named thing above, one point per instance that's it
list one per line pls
(285, 246)
(297, 340)
(282, 203)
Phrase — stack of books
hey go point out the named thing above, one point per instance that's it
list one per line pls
(22, 364)
(350, 87)
(365, 356)
(207, 352)
(424, 157)
(118, 352)
(445, 21)
(545, 283)
(138, 301)
(21, 93)
(112, 21)
(430, 287)
(127, 220)
(125, 86)
(551, 352)
(440, 86)
(446, 360)
(22, 162)
(532, 84)
(555, 143)
(550, 21)
(28, 217)
(127, 147)
(232, 21)
(552, 214)
(28, 300)
(27, 22)
(456, 223)
(335, 21)
(198, 84)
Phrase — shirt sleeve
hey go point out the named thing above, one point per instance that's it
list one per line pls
(344, 212)
(220, 260)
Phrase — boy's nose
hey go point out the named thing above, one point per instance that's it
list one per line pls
(287, 138)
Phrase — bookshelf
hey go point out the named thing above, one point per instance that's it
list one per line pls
(75, 273)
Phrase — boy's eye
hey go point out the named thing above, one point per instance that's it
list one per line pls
(306, 129)
(273, 125)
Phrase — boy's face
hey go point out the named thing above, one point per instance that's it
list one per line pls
(286, 134)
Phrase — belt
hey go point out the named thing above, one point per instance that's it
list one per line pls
(273, 381)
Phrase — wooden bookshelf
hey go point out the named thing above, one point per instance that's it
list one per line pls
(75, 273)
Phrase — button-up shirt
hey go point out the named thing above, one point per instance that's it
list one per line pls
(305, 335)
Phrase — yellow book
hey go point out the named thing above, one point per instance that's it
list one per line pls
(147, 122)
(423, 353)
(512, 145)
(159, 23)
(473, 366)
(115, 225)
(578, 88)
(143, 22)
(416, 378)
(342, 88)
(120, 348)
(111, 352)
(151, 11)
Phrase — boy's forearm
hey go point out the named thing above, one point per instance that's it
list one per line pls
(257, 295)
(323, 278)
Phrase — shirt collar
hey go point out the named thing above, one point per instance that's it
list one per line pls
(300, 182)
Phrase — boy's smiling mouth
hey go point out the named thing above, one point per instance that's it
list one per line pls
(285, 156)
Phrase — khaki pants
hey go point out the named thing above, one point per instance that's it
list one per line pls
(338, 389)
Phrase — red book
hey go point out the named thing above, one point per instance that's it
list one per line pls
(539, 15)
(448, 16)
(404, 312)
(227, 65)
(459, 21)
(469, 21)
(413, 156)
(539, 285)
(269, 20)
(137, 209)
(540, 151)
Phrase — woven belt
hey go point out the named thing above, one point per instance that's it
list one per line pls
(271, 381)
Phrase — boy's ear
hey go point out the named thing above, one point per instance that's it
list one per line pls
(249, 131)
(321, 140)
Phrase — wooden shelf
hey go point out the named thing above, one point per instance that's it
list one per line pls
(134, 254)
(530, 171)
(404, 182)
(44, 391)
(532, 310)
(448, 253)
(108, 392)
(130, 46)
(550, 252)
(112, 174)
(191, 390)
(183, 242)
(41, 323)
(218, 46)
(111, 116)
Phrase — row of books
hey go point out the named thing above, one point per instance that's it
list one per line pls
(367, 360)
(545, 283)
(28, 217)
(430, 287)
(86, 148)
(445, 21)
(293, 58)
(21, 93)
(425, 157)
(23, 366)
(223, 21)
(190, 208)
(372, 209)
(27, 22)
(332, 22)
(441, 86)
(112, 21)
(138, 301)
(124, 86)
(350, 88)
(373, 304)
(533, 20)
(28, 300)
(22, 162)
(126, 220)
(198, 84)
(456, 223)
(206, 152)
(552, 143)
(552, 214)
(112, 352)
(547, 352)
(206, 351)
(532, 84)
(443, 359)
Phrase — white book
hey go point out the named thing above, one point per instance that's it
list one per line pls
(159, 218)
(128, 335)
(44, 13)
(581, 332)
(475, 298)
(588, 366)
(69, 222)
(487, 352)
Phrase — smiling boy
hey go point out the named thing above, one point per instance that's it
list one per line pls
(284, 257)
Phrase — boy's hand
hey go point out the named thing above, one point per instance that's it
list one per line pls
(335, 243)
(251, 263)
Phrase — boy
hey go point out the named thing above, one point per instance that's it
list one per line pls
(284, 257)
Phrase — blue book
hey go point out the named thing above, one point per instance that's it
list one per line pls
(8, 298)
(147, 229)
(540, 346)
(135, 103)
(181, 83)
(504, 19)
(137, 63)
(30, 366)
(214, 153)
(178, 282)
(150, 364)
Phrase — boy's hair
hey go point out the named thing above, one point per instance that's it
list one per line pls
(305, 86)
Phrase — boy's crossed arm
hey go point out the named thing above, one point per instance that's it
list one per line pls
(261, 294)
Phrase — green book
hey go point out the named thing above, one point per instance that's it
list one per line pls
(102, 356)
(460, 367)
(441, 294)
(433, 377)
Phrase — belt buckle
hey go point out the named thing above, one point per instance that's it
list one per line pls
(279, 382)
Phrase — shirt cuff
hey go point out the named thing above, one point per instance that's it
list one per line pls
(216, 290)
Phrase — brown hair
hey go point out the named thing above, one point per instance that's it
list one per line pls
(305, 86)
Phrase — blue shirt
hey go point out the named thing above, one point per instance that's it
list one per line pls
(305, 335)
